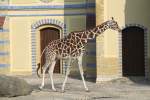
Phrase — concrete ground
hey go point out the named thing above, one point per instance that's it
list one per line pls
(121, 89)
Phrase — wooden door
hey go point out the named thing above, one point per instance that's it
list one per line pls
(47, 35)
(133, 51)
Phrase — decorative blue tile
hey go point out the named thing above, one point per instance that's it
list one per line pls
(4, 65)
(3, 53)
(4, 42)
(4, 30)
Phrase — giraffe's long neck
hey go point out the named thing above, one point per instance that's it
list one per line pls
(80, 38)
(92, 33)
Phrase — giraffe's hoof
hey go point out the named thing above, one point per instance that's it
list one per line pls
(41, 87)
(62, 91)
(54, 90)
(87, 90)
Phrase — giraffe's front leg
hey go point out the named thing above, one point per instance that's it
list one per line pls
(81, 72)
(51, 74)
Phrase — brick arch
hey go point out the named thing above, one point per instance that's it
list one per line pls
(47, 21)
(34, 27)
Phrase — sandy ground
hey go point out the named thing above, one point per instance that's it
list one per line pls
(121, 89)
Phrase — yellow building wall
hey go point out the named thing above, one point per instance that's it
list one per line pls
(19, 25)
(116, 10)
(107, 44)
(20, 44)
(108, 54)
(4, 44)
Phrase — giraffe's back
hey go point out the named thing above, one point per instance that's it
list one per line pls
(72, 45)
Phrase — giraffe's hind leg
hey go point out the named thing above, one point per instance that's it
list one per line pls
(67, 73)
(81, 72)
(51, 70)
(45, 66)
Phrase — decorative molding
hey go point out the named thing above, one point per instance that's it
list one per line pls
(145, 47)
(34, 26)
(65, 14)
(46, 1)
(65, 6)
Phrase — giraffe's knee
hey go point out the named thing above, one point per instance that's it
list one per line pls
(50, 72)
(44, 69)
(67, 73)
(82, 73)
(81, 70)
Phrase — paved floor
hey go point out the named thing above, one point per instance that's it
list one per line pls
(121, 89)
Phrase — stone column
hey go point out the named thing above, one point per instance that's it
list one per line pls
(108, 44)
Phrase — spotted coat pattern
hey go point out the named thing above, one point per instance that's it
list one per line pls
(74, 44)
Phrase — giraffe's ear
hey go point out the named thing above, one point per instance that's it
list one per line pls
(112, 18)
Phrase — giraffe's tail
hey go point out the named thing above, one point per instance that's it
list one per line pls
(39, 65)
(37, 70)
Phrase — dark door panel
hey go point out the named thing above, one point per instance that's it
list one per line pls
(133, 51)
(47, 35)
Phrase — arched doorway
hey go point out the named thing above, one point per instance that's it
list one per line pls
(133, 51)
(47, 35)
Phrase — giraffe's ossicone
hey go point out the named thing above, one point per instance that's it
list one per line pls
(72, 47)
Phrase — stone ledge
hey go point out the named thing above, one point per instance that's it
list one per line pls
(102, 78)
(20, 72)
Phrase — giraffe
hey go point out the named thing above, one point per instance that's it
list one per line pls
(71, 47)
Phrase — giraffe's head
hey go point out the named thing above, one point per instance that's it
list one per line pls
(112, 24)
